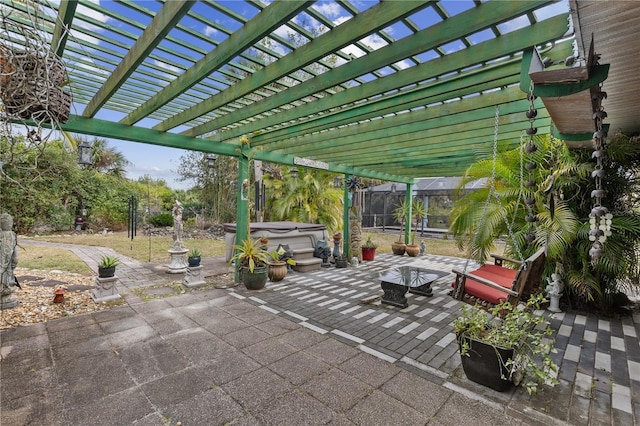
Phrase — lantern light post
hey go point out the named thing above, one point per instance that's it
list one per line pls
(85, 153)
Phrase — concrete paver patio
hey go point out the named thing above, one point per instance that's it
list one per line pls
(302, 351)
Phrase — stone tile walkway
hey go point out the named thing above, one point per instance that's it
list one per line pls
(302, 351)
(598, 358)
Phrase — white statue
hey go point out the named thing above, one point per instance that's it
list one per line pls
(554, 290)
(177, 226)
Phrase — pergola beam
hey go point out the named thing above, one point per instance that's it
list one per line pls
(164, 21)
(455, 27)
(269, 19)
(107, 129)
(359, 27)
(63, 23)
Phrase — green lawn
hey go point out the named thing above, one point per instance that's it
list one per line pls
(154, 249)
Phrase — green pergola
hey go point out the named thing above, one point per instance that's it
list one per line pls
(391, 90)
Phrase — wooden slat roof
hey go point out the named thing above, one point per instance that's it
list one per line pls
(393, 90)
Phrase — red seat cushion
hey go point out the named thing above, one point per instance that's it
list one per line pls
(496, 274)
(499, 270)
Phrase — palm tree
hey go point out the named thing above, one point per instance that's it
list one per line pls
(309, 198)
(105, 159)
(478, 219)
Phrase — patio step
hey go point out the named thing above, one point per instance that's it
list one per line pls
(305, 262)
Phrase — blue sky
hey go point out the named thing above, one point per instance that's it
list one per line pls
(161, 162)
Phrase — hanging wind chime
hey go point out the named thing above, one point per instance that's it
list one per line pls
(530, 148)
(599, 218)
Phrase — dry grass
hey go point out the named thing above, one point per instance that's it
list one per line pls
(141, 248)
(51, 258)
(154, 249)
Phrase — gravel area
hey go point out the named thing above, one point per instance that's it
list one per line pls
(36, 297)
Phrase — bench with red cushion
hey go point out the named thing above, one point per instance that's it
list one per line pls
(497, 274)
(485, 284)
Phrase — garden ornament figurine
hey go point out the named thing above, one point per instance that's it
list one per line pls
(423, 248)
(554, 290)
(8, 262)
(177, 226)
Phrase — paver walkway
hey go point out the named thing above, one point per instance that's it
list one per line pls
(302, 351)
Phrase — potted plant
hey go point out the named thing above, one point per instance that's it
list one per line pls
(418, 211)
(507, 345)
(194, 257)
(278, 265)
(400, 215)
(369, 249)
(252, 262)
(107, 266)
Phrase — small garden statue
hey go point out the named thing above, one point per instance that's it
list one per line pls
(8, 262)
(423, 248)
(177, 226)
(554, 290)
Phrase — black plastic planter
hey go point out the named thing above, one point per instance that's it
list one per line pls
(485, 364)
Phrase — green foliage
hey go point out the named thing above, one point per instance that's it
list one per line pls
(162, 219)
(278, 256)
(215, 195)
(45, 187)
(108, 262)
(194, 252)
(310, 198)
(400, 215)
(249, 254)
(369, 243)
(477, 224)
(516, 327)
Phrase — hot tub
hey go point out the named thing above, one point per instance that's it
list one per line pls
(295, 234)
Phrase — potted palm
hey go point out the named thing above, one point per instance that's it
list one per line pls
(107, 266)
(507, 345)
(279, 265)
(418, 212)
(369, 249)
(194, 257)
(252, 263)
(400, 215)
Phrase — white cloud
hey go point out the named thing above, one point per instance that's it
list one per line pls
(168, 67)
(93, 13)
(374, 41)
(209, 31)
(341, 19)
(80, 35)
(404, 64)
(92, 70)
(329, 10)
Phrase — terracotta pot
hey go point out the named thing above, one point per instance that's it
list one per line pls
(398, 248)
(413, 250)
(277, 270)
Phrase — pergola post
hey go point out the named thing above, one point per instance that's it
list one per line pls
(242, 200)
(408, 197)
(346, 249)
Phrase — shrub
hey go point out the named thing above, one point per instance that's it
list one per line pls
(162, 219)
